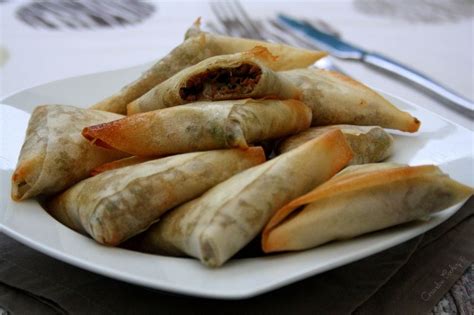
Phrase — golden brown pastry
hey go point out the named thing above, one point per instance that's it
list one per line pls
(117, 204)
(196, 47)
(337, 99)
(242, 75)
(128, 161)
(54, 154)
(369, 143)
(202, 126)
(215, 226)
(361, 199)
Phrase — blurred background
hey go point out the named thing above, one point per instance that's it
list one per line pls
(41, 41)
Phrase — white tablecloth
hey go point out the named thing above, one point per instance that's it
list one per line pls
(440, 45)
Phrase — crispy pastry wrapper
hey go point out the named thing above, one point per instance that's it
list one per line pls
(242, 75)
(202, 126)
(369, 143)
(196, 47)
(54, 154)
(215, 226)
(120, 203)
(359, 200)
(337, 99)
(128, 161)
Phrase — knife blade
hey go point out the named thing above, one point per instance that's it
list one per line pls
(344, 50)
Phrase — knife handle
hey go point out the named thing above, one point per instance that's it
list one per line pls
(390, 65)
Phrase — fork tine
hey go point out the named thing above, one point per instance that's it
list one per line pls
(217, 9)
(294, 37)
(245, 32)
(254, 28)
(236, 22)
(299, 40)
(280, 36)
(226, 12)
(232, 20)
(219, 17)
(234, 14)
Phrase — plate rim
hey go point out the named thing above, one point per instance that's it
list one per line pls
(215, 294)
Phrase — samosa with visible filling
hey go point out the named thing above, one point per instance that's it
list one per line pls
(243, 75)
(196, 47)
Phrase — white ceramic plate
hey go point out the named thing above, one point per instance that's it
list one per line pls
(439, 142)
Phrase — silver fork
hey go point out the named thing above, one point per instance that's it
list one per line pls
(235, 21)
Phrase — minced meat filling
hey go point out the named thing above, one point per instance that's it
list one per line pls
(218, 83)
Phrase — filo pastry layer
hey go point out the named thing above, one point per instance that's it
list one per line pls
(215, 226)
(117, 204)
(54, 155)
(243, 75)
(128, 161)
(361, 199)
(196, 47)
(202, 126)
(369, 143)
(337, 99)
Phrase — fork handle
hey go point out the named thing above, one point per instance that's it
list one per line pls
(406, 72)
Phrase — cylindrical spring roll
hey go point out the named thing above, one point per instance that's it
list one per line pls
(54, 155)
(197, 47)
(370, 144)
(116, 205)
(202, 126)
(243, 75)
(359, 200)
(337, 99)
(215, 226)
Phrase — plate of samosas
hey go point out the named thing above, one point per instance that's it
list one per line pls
(228, 168)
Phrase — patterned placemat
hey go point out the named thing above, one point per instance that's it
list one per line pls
(85, 14)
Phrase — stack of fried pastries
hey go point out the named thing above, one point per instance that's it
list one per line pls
(176, 159)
